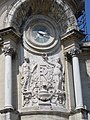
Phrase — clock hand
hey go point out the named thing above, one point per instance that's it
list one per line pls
(42, 33)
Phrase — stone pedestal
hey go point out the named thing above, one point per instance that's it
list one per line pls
(9, 47)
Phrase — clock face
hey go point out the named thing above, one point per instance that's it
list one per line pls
(40, 33)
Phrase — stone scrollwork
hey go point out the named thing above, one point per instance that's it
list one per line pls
(74, 52)
(8, 51)
(42, 82)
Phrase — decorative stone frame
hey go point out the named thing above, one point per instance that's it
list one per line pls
(34, 46)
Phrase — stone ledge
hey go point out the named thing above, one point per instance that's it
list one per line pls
(72, 112)
(57, 113)
(5, 110)
(73, 34)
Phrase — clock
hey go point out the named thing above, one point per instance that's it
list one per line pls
(40, 33)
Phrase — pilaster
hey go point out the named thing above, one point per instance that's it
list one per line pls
(71, 43)
(10, 39)
(77, 78)
(8, 76)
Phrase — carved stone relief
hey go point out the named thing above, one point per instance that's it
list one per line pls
(42, 82)
(25, 79)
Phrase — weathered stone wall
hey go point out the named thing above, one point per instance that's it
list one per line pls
(85, 77)
(43, 57)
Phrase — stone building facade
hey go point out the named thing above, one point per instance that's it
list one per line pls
(44, 62)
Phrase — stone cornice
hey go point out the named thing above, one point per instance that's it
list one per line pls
(9, 33)
(75, 34)
(72, 39)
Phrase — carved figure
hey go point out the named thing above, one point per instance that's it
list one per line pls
(26, 74)
(58, 73)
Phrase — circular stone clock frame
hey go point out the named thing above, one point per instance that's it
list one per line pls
(40, 34)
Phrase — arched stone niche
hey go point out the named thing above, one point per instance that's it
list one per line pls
(21, 10)
(42, 71)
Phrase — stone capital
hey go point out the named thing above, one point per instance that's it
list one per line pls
(8, 51)
(74, 52)
(9, 47)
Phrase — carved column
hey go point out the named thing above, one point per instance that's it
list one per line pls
(8, 51)
(77, 79)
